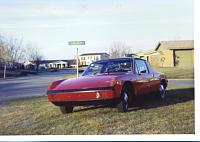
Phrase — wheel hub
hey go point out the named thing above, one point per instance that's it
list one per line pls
(162, 91)
(125, 96)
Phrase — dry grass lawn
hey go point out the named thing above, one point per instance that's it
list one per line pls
(176, 72)
(38, 116)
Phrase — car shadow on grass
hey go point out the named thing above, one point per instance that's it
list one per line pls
(149, 101)
(85, 108)
(173, 96)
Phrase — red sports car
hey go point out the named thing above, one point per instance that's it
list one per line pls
(112, 81)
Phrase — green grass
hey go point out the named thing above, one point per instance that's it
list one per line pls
(176, 72)
(148, 116)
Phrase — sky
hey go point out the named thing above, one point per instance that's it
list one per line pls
(139, 24)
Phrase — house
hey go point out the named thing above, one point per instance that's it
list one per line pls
(59, 64)
(88, 58)
(178, 53)
(47, 64)
(151, 56)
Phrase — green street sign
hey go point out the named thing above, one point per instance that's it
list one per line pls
(76, 42)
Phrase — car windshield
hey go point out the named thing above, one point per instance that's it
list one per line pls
(108, 67)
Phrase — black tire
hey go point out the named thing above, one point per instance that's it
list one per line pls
(124, 100)
(162, 92)
(66, 109)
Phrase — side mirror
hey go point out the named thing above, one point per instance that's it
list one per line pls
(107, 70)
(143, 71)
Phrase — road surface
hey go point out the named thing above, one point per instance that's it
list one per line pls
(36, 85)
(189, 82)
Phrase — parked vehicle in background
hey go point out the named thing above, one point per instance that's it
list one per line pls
(111, 82)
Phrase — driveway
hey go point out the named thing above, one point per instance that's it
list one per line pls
(36, 85)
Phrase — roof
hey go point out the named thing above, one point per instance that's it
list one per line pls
(51, 61)
(86, 54)
(177, 44)
(72, 61)
(146, 52)
(149, 52)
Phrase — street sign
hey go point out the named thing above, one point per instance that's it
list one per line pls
(76, 42)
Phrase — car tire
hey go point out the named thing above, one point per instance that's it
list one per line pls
(162, 92)
(66, 109)
(124, 100)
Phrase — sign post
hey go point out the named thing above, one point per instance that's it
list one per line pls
(77, 62)
(4, 72)
(76, 43)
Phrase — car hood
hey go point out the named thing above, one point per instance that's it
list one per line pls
(86, 82)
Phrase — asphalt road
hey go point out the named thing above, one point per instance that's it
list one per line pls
(36, 85)
(189, 82)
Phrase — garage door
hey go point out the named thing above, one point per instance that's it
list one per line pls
(184, 58)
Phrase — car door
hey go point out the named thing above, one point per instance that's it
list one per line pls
(154, 80)
(143, 77)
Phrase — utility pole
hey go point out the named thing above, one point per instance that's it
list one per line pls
(77, 63)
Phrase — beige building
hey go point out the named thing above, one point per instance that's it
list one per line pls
(88, 58)
(178, 53)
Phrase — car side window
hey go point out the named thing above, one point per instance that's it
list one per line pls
(136, 68)
(141, 66)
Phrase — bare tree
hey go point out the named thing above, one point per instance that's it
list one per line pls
(3, 50)
(15, 50)
(119, 49)
(11, 50)
(34, 55)
(4, 57)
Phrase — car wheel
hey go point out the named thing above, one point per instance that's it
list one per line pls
(162, 92)
(66, 109)
(123, 105)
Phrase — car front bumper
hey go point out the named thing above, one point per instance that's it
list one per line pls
(82, 96)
